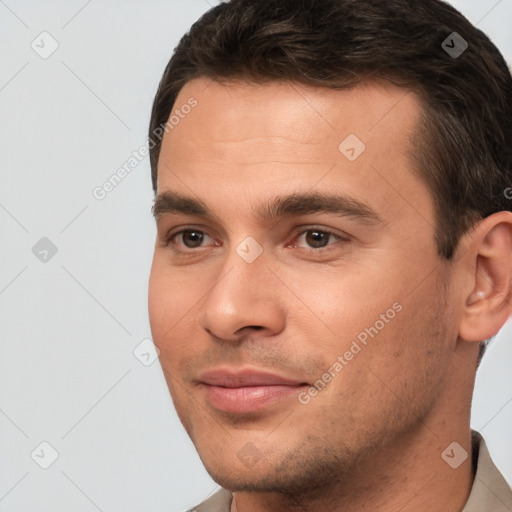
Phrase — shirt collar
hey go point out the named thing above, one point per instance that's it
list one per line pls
(490, 491)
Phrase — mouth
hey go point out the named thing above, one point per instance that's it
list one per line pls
(246, 391)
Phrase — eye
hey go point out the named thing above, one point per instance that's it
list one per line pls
(317, 238)
(189, 238)
(192, 238)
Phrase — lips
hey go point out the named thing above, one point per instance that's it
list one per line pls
(246, 391)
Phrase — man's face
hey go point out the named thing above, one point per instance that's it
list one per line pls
(297, 340)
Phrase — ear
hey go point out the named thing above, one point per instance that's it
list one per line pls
(487, 269)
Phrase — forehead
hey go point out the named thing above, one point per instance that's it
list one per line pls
(364, 106)
(261, 138)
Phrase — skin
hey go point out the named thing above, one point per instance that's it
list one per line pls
(372, 438)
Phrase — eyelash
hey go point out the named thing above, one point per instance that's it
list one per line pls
(169, 240)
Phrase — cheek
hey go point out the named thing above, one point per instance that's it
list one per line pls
(170, 293)
(173, 301)
(374, 325)
(158, 302)
(167, 303)
(349, 301)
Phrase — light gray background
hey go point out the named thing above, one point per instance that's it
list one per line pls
(69, 326)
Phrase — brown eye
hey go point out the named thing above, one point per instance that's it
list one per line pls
(192, 238)
(317, 239)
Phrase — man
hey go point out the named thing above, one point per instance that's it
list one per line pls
(334, 246)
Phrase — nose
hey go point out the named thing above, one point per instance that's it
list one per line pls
(243, 300)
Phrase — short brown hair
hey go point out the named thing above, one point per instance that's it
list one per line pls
(463, 145)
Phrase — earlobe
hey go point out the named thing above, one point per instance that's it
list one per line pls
(489, 265)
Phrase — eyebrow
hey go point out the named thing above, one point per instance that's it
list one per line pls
(282, 206)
